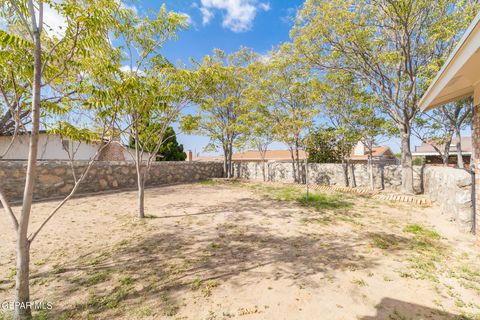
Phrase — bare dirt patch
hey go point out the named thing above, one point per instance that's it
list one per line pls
(247, 251)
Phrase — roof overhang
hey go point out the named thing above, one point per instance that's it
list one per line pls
(418, 154)
(460, 73)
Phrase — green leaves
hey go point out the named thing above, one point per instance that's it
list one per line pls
(74, 133)
(8, 40)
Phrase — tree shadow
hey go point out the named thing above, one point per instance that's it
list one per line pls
(394, 309)
(164, 264)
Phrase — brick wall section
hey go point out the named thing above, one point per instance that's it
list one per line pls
(112, 152)
(55, 178)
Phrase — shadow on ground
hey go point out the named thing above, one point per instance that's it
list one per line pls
(394, 309)
(157, 267)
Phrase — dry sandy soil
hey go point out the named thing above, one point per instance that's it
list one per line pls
(221, 251)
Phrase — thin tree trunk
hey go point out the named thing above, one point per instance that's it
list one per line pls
(446, 153)
(370, 167)
(293, 166)
(459, 149)
(353, 182)
(407, 169)
(263, 171)
(345, 172)
(141, 194)
(138, 165)
(225, 162)
(22, 288)
(301, 170)
(231, 161)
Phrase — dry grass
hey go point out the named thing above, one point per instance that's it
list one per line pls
(249, 251)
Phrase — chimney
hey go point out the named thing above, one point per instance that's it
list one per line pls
(189, 155)
(359, 149)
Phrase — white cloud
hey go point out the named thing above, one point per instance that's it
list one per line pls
(54, 23)
(264, 6)
(238, 15)
(265, 58)
(126, 69)
(190, 21)
(129, 7)
(207, 15)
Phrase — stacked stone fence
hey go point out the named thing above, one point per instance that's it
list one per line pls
(55, 178)
(450, 189)
(385, 176)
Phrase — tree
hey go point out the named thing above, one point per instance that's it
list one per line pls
(170, 150)
(151, 91)
(50, 62)
(160, 93)
(393, 47)
(350, 112)
(222, 108)
(292, 95)
(261, 135)
(322, 146)
(438, 126)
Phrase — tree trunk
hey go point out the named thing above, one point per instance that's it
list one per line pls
(22, 289)
(353, 182)
(138, 165)
(345, 172)
(459, 149)
(141, 195)
(446, 153)
(407, 169)
(294, 168)
(300, 168)
(230, 164)
(370, 167)
(263, 171)
(225, 162)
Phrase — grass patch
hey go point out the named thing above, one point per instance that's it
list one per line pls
(359, 282)
(315, 200)
(422, 231)
(209, 285)
(382, 241)
(196, 284)
(97, 278)
(321, 201)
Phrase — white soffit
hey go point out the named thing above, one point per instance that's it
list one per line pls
(459, 74)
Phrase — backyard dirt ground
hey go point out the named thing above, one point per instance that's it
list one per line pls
(218, 250)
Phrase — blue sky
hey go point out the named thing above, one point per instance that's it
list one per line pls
(226, 25)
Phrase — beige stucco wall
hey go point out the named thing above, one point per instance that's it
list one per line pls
(50, 148)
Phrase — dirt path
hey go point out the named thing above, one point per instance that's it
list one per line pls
(215, 251)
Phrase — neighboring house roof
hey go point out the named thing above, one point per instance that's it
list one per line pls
(377, 152)
(459, 74)
(426, 149)
(252, 155)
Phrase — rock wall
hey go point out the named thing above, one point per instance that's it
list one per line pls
(451, 190)
(55, 178)
(385, 176)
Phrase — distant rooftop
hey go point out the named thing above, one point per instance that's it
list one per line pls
(253, 155)
(427, 149)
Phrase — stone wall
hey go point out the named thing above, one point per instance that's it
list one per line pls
(55, 178)
(451, 190)
(385, 176)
